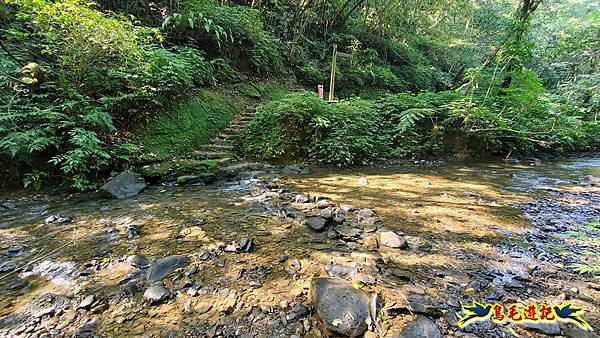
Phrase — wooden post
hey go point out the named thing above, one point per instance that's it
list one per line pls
(332, 78)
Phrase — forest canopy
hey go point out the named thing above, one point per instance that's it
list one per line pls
(79, 80)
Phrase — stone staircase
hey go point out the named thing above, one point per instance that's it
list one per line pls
(221, 148)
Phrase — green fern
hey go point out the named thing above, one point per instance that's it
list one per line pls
(410, 117)
(591, 269)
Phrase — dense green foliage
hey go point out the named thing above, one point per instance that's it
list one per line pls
(418, 78)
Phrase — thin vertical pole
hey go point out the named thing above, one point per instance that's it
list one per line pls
(332, 78)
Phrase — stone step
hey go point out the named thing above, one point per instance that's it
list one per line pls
(217, 147)
(212, 155)
(232, 130)
(223, 142)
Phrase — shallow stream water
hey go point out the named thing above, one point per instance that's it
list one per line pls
(475, 231)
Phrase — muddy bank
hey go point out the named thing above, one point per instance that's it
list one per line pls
(424, 240)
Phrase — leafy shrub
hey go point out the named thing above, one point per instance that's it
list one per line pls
(94, 68)
(281, 130)
(309, 73)
(232, 30)
(348, 133)
(302, 126)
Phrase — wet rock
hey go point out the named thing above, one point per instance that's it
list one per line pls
(327, 214)
(317, 223)
(198, 221)
(365, 213)
(86, 330)
(7, 267)
(58, 273)
(415, 289)
(392, 240)
(417, 305)
(156, 293)
(14, 251)
(188, 179)
(347, 207)
(348, 233)
(162, 267)
(138, 261)
(340, 270)
(243, 245)
(342, 308)
(18, 284)
(322, 204)
(124, 185)
(301, 198)
(9, 205)
(87, 302)
(133, 231)
(371, 243)
(575, 332)
(45, 312)
(57, 219)
(297, 312)
(549, 328)
(420, 327)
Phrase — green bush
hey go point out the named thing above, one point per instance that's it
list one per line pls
(231, 30)
(348, 133)
(309, 73)
(281, 130)
(302, 126)
(86, 71)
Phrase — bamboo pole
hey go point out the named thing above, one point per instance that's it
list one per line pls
(332, 78)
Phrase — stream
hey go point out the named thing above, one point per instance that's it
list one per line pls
(244, 252)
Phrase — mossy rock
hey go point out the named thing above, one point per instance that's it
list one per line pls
(156, 171)
(250, 90)
(210, 164)
(206, 178)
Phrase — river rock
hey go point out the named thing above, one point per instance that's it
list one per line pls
(156, 293)
(392, 240)
(124, 185)
(420, 327)
(317, 223)
(243, 245)
(188, 179)
(138, 261)
(327, 214)
(9, 205)
(366, 213)
(57, 219)
(341, 271)
(301, 198)
(86, 302)
(18, 284)
(297, 312)
(162, 267)
(549, 328)
(342, 308)
(7, 267)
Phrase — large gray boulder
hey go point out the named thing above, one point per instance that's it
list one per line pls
(420, 327)
(316, 223)
(162, 267)
(342, 308)
(156, 293)
(124, 185)
(392, 240)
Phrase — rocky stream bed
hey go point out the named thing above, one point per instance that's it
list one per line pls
(298, 252)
